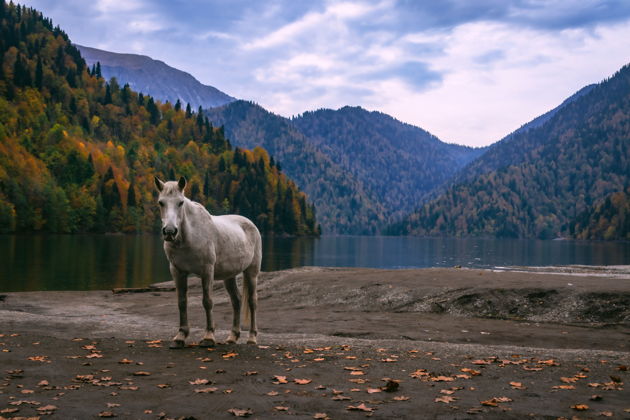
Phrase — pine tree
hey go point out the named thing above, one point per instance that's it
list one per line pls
(99, 75)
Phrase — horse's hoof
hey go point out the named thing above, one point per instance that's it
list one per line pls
(252, 340)
(207, 343)
(177, 344)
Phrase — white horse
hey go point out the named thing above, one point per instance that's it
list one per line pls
(213, 247)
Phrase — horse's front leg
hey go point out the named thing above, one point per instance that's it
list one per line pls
(181, 283)
(206, 284)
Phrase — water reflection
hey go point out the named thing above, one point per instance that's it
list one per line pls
(93, 262)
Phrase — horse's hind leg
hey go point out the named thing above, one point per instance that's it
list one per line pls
(250, 278)
(235, 297)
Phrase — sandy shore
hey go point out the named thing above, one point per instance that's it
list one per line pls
(460, 343)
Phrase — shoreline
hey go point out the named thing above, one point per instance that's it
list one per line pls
(317, 325)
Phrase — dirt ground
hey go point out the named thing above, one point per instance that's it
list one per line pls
(333, 343)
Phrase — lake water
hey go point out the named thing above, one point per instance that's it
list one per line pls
(94, 262)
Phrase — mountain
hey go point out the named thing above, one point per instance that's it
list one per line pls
(78, 154)
(537, 181)
(399, 163)
(155, 78)
(343, 204)
(362, 169)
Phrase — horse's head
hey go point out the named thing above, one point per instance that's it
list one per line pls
(171, 201)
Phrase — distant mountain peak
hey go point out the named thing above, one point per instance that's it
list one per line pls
(154, 77)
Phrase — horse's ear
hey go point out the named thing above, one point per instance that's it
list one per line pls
(158, 184)
(182, 183)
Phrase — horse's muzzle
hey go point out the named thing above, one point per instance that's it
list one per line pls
(169, 233)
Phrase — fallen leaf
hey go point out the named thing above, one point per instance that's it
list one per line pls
(240, 412)
(199, 381)
(596, 398)
(606, 413)
(20, 402)
(580, 407)
(272, 393)
(280, 380)
(481, 362)
(250, 373)
(373, 390)
(447, 399)
(230, 355)
(401, 398)
(563, 387)
(94, 356)
(43, 382)
(340, 398)
(163, 386)
(112, 405)
(419, 373)
(568, 380)
(357, 372)
(141, 373)
(47, 409)
(208, 390)
(9, 410)
(302, 381)
(470, 371)
(106, 414)
(360, 407)
(442, 378)
(42, 359)
(125, 361)
(27, 391)
(517, 385)
(320, 416)
(281, 408)
(494, 402)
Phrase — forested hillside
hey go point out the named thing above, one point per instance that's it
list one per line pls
(343, 203)
(537, 181)
(78, 154)
(400, 163)
(609, 219)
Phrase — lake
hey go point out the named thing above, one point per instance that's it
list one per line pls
(95, 262)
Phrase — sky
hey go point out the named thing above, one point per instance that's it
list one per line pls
(468, 71)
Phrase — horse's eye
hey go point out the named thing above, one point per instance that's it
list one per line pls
(161, 203)
(180, 204)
